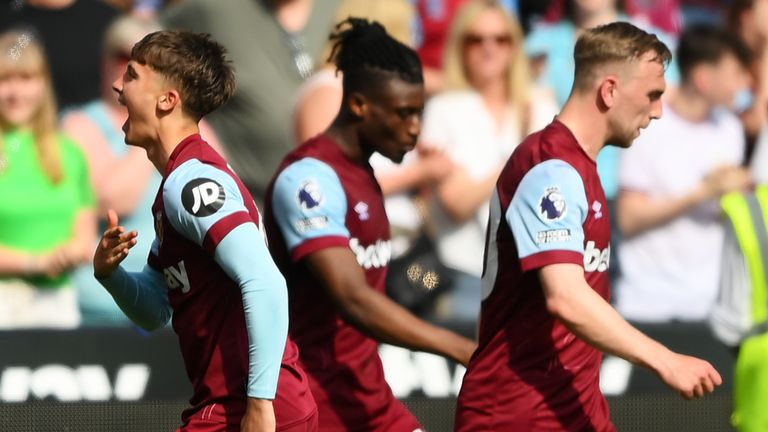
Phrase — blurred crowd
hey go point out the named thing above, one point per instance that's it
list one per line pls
(495, 71)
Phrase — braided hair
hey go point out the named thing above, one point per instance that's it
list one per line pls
(364, 52)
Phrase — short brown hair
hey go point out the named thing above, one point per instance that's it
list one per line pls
(194, 62)
(610, 43)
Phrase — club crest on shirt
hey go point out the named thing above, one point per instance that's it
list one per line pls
(202, 197)
(309, 195)
(552, 206)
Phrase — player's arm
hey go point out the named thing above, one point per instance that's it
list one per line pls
(546, 216)
(591, 318)
(311, 206)
(205, 205)
(377, 315)
(142, 296)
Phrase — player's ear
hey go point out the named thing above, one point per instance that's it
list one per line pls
(357, 104)
(608, 91)
(168, 100)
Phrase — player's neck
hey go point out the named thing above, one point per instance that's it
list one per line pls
(346, 137)
(579, 116)
(690, 105)
(169, 135)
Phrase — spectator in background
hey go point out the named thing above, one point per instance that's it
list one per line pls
(749, 19)
(488, 107)
(670, 181)
(664, 14)
(434, 22)
(71, 32)
(47, 225)
(123, 178)
(274, 45)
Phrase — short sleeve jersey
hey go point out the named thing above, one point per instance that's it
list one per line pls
(199, 202)
(530, 373)
(321, 199)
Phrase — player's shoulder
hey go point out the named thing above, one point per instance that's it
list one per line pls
(195, 176)
(195, 147)
(308, 178)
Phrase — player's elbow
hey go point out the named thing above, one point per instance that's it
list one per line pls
(560, 306)
(354, 305)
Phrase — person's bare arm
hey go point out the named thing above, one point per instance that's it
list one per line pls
(638, 212)
(84, 237)
(120, 182)
(571, 300)
(461, 195)
(374, 313)
(429, 167)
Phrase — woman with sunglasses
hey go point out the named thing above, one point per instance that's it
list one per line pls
(489, 106)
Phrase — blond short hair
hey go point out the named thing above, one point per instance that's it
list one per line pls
(618, 42)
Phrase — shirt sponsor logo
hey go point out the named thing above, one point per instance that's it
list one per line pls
(176, 277)
(553, 236)
(311, 223)
(596, 259)
(309, 195)
(552, 206)
(372, 256)
(202, 197)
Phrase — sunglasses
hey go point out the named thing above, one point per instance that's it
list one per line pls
(473, 40)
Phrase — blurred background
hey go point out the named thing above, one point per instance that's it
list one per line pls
(689, 201)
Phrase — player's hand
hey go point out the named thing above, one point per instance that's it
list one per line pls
(259, 416)
(113, 247)
(690, 376)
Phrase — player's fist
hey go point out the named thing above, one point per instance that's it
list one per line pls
(113, 247)
(690, 376)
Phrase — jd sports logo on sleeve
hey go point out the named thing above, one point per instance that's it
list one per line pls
(202, 197)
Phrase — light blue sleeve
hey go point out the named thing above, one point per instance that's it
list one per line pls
(243, 255)
(142, 296)
(196, 196)
(310, 202)
(548, 210)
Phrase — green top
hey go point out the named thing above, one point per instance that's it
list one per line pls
(37, 215)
